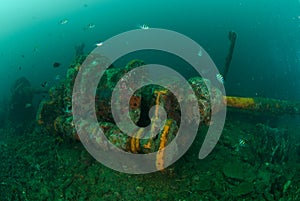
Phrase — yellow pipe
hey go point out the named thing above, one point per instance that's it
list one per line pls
(263, 105)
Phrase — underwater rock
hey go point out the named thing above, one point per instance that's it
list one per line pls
(272, 144)
(204, 184)
(243, 188)
(239, 171)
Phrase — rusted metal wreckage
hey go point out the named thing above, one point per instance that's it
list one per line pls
(56, 116)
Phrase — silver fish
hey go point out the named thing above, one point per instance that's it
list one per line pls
(99, 44)
(91, 26)
(143, 26)
(220, 78)
(64, 21)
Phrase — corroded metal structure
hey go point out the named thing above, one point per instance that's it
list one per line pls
(56, 113)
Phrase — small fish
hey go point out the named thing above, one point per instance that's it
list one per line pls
(36, 49)
(64, 21)
(57, 77)
(143, 26)
(56, 64)
(20, 67)
(220, 78)
(242, 142)
(200, 53)
(44, 84)
(91, 26)
(99, 44)
(27, 105)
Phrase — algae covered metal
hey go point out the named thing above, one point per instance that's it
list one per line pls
(144, 105)
(55, 114)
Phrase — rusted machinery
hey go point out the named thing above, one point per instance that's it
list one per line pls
(55, 114)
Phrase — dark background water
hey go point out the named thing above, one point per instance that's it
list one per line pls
(266, 60)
